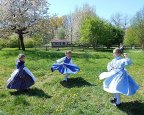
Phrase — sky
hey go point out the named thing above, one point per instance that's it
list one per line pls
(104, 8)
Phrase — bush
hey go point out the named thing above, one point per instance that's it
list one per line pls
(13, 43)
(38, 41)
(29, 43)
(33, 42)
(3, 43)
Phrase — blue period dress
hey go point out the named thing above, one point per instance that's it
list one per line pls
(117, 80)
(65, 66)
(21, 78)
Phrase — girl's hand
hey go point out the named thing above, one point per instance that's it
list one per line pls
(125, 55)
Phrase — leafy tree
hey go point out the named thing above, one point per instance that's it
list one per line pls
(138, 26)
(131, 37)
(87, 32)
(55, 24)
(95, 30)
(110, 35)
(60, 33)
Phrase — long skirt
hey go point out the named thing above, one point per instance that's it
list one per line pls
(21, 79)
(119, 82)
(65, 68)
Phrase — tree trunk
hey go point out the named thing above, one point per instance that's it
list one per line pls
(94, 46)
(71, 40)
(108, 47)
(83, 46)
(72, 47)
(142, 45)
(21, 40)
(19, 47)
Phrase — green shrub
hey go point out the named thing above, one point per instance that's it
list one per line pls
(12, 42)
(3, 43)
(29, 43)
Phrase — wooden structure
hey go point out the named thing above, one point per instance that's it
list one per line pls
(59, 42)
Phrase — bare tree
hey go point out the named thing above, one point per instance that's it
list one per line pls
(79, 15)
(120, 20)
(19, 16)
(68, 26)
(72, 22)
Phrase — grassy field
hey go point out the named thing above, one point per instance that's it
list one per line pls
(83, 95)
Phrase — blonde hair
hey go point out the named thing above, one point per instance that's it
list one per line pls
(68, 52)
(21, 56)
(117, 50)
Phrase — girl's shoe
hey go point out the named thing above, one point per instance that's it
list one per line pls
(113, 100)
(117, 105)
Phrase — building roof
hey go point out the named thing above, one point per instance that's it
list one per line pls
(59, 40)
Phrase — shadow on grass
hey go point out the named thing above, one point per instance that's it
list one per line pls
(133, 108)
(32, 92)
(76, 82)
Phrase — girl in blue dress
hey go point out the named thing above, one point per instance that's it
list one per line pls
(65, 66)
(117, 80)
(21, 78)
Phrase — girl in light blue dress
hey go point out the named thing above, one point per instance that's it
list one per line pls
(117, 80)
(65, 66)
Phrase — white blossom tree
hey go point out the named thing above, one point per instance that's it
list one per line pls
(20, 16)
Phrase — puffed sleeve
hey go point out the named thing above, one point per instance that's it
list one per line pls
(127, 61)
(60, 60)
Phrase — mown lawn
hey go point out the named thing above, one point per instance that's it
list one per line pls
(83, 95)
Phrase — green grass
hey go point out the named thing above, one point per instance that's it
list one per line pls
(83, 95)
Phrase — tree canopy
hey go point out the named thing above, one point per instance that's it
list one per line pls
(95, 30)
(131, 37)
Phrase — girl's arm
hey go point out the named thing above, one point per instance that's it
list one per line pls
(109, 66)
(127, 60)
(60, 60)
